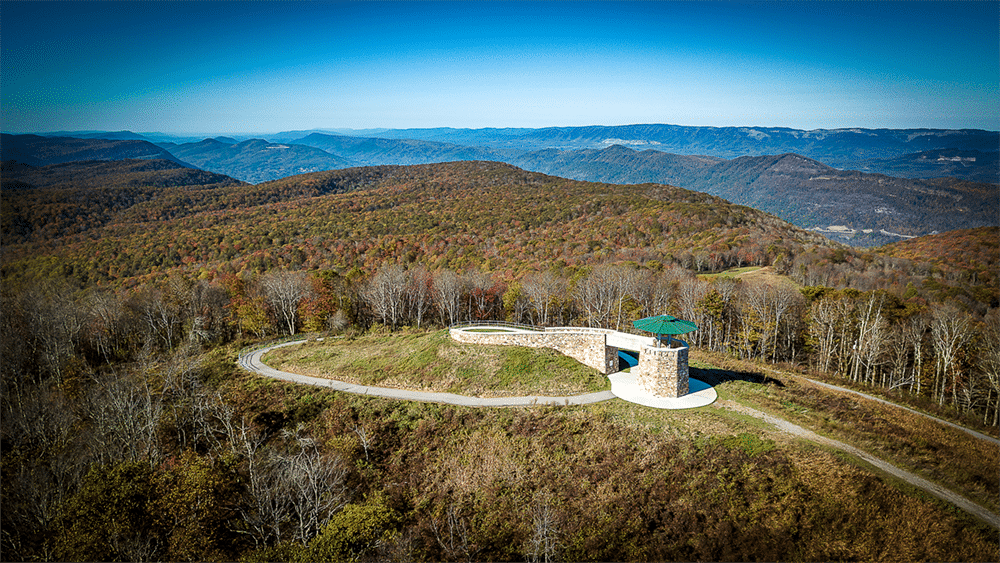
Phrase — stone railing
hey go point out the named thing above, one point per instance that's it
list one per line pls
(589, 348)
(662, 371)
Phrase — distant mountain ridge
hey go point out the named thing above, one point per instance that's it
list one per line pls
(41, 151)
(373, 151)
(257, 160)
(803, 191)
(835, 147)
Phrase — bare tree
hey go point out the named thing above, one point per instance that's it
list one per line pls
(448, 289)
(386, 293)
(542, 290)
(124, 414)
(950, 328)
(544, 544)
(419, 287)
(284, 290)
(690, 293)
(989, 362)
(451, 530)
(316, 486)
(598, 293)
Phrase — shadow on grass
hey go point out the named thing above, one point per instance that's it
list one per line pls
(715, 376)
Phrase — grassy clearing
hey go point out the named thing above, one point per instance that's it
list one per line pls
(731, 273)
(432, 361)
(937, 452)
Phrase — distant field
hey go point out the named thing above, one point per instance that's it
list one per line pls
(731, 273)
(432, 361)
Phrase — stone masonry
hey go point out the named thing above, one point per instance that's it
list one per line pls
(663, 371)
(589, 348)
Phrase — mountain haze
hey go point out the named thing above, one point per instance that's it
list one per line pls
(40, 151)
(803, 191)
(257, 160)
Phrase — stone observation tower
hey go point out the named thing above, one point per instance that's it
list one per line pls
(662, 371)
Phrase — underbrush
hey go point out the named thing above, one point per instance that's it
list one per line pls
(616, 481)
(941, 453)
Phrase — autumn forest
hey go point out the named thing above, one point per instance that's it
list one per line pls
(129, 433)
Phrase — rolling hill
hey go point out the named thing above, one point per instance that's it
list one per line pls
(800, 190)
(47, 203)
(458, 215)
(257, 160)
(862, 209)
(41, 151)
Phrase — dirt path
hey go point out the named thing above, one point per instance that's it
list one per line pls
(969, 431)
(795, 430)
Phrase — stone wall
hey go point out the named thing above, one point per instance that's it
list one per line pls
(589, 348)
(663, 371)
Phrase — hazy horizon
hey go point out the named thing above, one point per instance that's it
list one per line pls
(210, 68)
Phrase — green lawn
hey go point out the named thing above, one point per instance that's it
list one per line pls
(432, 361)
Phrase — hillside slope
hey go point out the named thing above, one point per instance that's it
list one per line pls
(973, 165)
(47, 203)
(802, 191)
(257, 160)
(41, 151)
(458, 215)
(974, 251)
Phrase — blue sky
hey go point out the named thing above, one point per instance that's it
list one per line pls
(243, 68)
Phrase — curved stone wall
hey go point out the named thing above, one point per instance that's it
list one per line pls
(663, 372)
(588, 346)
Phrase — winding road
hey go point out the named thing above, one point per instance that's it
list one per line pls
(251, 361)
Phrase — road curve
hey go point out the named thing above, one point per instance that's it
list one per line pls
(251, 361)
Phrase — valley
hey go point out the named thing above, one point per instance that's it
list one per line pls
(133, 288)
(885, 192)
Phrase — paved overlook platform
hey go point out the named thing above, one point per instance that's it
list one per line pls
(587, 342)
(659, 380)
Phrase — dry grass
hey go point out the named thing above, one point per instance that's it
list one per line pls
(432, 361)
(940, 453)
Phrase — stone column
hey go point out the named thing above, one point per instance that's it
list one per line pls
(663, 371)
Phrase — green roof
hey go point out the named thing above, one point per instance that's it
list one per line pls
(665, 324)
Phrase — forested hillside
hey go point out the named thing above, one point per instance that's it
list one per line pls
(459, 215)
(44, 204)
(41, 151)
(130, 434)
(801, 191)
(256, 160)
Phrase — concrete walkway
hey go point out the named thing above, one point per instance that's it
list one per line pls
(623, 385)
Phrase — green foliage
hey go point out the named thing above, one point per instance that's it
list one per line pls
(111, 516)
(355, 531)
(750, 444)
